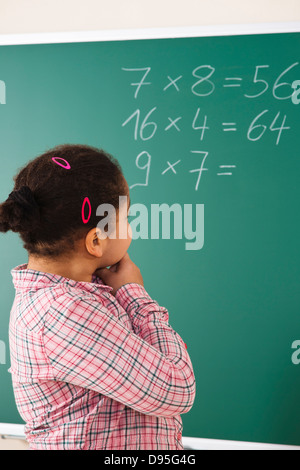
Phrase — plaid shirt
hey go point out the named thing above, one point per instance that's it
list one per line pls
(94, 371)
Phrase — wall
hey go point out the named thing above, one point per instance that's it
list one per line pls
(32, 16)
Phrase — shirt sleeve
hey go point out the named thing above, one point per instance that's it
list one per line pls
(147, 369)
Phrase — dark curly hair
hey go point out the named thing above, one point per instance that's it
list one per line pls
(47, 206)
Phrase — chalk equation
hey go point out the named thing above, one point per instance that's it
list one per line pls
(204, 85)
(146, 125)
(144, 129)
(224, 170)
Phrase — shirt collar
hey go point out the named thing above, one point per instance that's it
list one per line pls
(30, 278)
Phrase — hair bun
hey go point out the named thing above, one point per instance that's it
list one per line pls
(20, 212)
(25, 198)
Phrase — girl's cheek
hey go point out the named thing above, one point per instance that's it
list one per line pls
(124, 230)
(129, 231)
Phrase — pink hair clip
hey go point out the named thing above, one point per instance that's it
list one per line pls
(86, 201)
(67, 167)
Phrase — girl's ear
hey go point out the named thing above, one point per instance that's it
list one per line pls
(94, 244)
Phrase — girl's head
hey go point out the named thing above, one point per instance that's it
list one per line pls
(54, 203)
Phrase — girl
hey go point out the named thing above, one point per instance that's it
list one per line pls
(94, 363)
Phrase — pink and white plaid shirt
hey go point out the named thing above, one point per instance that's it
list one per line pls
(94, 371)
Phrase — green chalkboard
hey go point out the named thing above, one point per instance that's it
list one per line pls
(207, 121)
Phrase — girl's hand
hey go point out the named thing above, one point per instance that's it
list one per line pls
(123, 272)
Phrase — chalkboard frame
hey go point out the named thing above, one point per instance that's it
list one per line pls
(150, 33)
